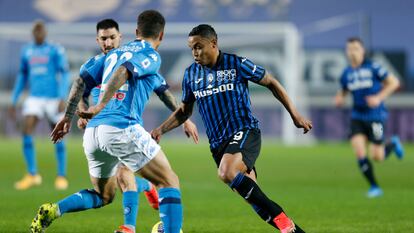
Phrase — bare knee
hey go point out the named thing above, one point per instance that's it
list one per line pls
(170, 180)
(126, 179)
(226, 174)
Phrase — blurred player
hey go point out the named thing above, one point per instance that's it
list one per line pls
(218, 82)
(108, 38)
(370, 84)
(44, 68)
(114, 135)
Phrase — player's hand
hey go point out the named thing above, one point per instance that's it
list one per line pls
(82, 123)
(61, 106)
(156, 134)
(90, 113)
(303, 123)
(190, 129)
(373, 101)
(61, 129)
(339, 100)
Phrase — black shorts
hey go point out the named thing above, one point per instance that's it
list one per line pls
(374, 130)
(247, 141)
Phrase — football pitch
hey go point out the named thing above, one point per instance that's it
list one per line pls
(318, 186)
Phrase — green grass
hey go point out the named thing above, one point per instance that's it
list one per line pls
(320, 187)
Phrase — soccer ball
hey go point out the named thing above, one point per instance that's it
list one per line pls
(159, 228)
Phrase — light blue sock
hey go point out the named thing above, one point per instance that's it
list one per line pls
(171, 211)
(82, 200)
(61, 158)
(29, 154)
(142, 184)
(130, 203)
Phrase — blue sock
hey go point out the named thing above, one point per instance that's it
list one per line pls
(29, 154)
(130, 203)
(142, 184)
(61, 158)
(82, 200)
(171, 211)
(368, 171)
(389, 147)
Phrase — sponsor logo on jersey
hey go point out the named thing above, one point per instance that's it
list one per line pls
(226, 75)
(212, 91)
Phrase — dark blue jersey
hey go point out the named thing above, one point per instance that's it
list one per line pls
(222, 95)
(364, 81)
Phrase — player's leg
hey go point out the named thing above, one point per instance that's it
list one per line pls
(130, 199)
(379, 149)
(53, 115)
(102, 194)
(239, 157)
(160, 173)
(32, 177)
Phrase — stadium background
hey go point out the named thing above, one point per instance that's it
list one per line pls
(322, 27)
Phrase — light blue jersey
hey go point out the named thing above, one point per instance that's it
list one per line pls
(128, 103)
(39, 68)
(91, 72)
(364, 81)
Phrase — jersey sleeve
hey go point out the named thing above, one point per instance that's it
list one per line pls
(161, 85)
(22, 78)
(188, 95)
(141, 64)
(251, 71)
(379, 72)
(91, 72)
(342, 81)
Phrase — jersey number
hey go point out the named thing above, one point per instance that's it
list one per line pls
(112, 60)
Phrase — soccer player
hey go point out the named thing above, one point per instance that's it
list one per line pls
(44, 68)
(108, 38)
(369, 84)
(218, 82)
(114, 136)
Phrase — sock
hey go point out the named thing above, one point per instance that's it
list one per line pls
(264, 215)
(252, 193)
(389, 147)
(61, 158)
(82, 200)
(130, 203)
(368, 171)
(171, 211)
(142, 184)
(29, 154)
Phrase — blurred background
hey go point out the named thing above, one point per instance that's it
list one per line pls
(300, 41)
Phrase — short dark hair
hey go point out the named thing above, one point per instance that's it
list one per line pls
(204, 30)
(106, 24)
(355, 39)
(150, 23)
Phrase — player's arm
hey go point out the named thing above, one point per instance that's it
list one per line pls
(390, 85)
(19, 85)
(179, 116)
(280, 94)
(63, 126)
(340, 97)
(170, 102)
(119, 78)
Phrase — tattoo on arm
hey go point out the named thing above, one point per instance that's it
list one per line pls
(84, 103)
(75, 95)
(169, 100)
(118, 79)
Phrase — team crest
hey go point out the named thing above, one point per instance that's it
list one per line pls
(210, 77)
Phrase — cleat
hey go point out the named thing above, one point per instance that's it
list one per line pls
(28, 181)
(61, 183)
(284, 223)
(398, 148)
(374, 192)
(152, 197)
(44, 217)
(124, 229)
